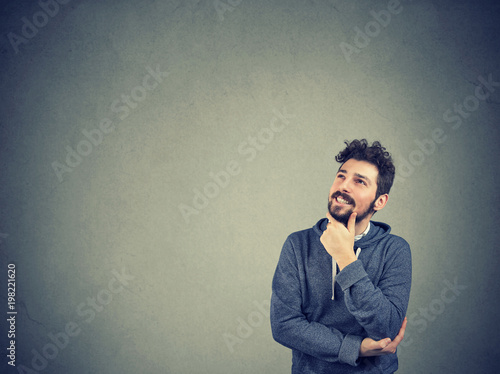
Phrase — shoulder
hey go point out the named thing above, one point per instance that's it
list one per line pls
(397, 241)
(300, 238)
(313, 232)
(397, 249)
(302, 243)
(386, 238)
(298, 235)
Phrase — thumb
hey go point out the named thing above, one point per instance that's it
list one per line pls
(351, 224)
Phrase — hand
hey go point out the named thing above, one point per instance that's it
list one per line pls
(370, 347)
(339, 240)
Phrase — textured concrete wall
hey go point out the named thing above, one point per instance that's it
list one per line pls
(155, 155)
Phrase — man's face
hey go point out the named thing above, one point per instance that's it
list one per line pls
(354, 190)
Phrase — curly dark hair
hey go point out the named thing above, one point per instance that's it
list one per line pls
(375, 155)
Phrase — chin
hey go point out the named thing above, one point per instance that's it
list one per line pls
(340, 217)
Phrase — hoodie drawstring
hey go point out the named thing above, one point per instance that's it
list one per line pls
(334, 271)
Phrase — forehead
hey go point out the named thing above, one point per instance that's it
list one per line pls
(364, 168)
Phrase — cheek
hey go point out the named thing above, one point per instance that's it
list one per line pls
(332, 190)
(335, 186)
(366, 199)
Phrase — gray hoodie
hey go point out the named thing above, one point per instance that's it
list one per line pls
(370, 300)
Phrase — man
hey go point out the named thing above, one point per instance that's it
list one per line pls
(341, 288)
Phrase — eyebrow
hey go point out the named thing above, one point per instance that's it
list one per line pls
(357, 175)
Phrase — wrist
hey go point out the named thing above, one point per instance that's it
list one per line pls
(344, 261)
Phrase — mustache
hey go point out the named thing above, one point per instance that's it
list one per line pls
(347, 198)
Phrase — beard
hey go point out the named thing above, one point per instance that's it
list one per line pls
(335, 211)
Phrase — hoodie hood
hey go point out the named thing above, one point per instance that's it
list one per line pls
(378, 230)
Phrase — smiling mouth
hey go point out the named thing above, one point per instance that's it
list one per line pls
(342, 201)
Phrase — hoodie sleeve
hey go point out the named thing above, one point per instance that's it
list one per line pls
(290, 326)
(379, 309)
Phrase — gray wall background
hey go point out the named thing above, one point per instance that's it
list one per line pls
(194, 292)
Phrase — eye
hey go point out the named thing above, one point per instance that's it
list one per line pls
(340, 176)
(361, 181)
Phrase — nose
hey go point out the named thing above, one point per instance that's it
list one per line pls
(345, 186)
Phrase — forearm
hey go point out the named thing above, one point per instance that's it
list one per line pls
(379, 310)
(289, 324)
(291, 329)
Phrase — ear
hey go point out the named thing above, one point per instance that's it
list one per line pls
(381, 201)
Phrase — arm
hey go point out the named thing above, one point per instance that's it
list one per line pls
(370, 347)
(380, 310)
(290, 326)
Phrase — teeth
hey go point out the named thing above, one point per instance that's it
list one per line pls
(342, 201)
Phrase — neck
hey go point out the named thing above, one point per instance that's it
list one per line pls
(361, 226)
